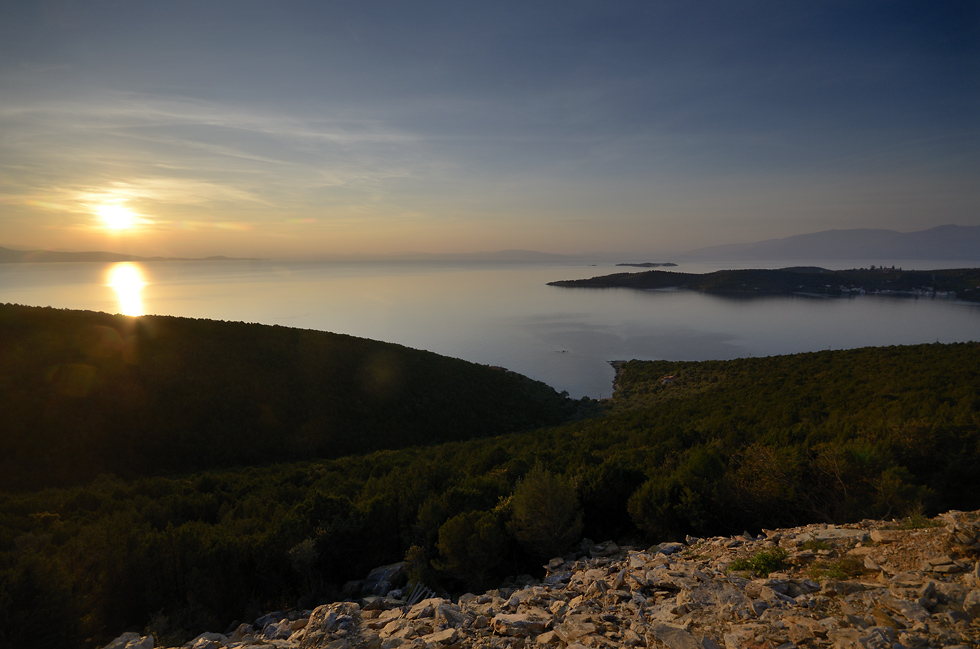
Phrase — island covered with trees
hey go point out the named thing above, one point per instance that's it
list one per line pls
(960, 283)
(223, 470)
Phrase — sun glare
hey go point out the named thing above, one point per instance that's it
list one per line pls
(116, 217)
(127, 280)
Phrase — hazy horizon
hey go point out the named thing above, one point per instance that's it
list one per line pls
(304, 129)
(941, 243)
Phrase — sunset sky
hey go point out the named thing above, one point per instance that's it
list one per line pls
(276, 129)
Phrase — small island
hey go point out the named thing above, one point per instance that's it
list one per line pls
(651, 264)
(959, 283)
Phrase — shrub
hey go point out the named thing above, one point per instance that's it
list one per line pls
(762, 563)
(547, 518)
(917, 521)
(472, 546)
(842, 569)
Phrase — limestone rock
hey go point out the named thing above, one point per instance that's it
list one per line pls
(674, 637)
(521, 625)
(971, 605)
(131, 640)
(909, 588)
(444, 637)
(336, 626)
(207, 641)
(884, 536)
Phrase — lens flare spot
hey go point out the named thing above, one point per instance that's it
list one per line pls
(126, 279)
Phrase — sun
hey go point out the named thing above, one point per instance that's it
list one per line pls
(116, 217)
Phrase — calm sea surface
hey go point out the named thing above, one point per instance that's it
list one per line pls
(501, 313)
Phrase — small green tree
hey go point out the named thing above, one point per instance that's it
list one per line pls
(417, 567)
(472, 546)
(547, 518)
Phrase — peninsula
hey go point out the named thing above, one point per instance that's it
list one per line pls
(960, 283)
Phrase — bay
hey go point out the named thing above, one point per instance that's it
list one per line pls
(502, 313)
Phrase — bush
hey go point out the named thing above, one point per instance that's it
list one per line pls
(547, 518)
(685, 501)
(472, 546)
(842, 569)
(762, 563)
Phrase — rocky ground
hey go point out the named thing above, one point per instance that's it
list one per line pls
(871, 585)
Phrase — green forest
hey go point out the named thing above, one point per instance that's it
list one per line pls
(428, 471)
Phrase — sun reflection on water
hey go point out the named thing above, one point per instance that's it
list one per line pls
(126, 278)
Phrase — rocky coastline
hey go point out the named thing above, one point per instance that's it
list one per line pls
(874, 584)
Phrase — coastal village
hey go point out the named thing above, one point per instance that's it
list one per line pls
(876, 584)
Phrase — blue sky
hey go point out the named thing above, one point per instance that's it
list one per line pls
(304, 128)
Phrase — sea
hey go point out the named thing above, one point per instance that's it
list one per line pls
(504, 313)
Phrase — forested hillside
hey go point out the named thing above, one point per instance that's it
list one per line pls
(684, 448)
(87, 393)
(826, 436)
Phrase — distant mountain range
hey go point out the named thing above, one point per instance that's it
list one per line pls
(502, 255)
(495, 255)
(943, 242)
(10, 256)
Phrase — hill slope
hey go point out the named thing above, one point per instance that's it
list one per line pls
(869, 585)
(86, 393)
(721, 447)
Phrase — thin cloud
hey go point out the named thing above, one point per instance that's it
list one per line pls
(194, 153)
